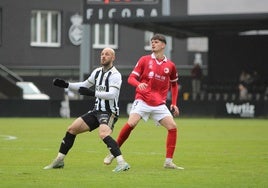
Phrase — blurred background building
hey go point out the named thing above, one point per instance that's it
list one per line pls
(41, 40)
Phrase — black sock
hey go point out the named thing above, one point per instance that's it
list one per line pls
(112, 146)
(67, 143)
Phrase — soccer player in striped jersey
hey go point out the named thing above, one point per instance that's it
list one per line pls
(107, 81)
(153, 76)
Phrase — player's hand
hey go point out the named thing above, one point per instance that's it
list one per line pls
(142, 86)
(174, 110)
(60, 83)
(86, 91)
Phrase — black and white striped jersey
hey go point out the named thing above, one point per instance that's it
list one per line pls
(107, 89)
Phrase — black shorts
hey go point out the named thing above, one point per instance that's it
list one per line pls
(94, 118)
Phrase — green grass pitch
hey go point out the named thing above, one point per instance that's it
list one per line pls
(214, 152)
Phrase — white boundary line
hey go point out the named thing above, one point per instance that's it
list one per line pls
(8, 137)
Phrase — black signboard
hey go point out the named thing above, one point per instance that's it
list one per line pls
(104, 11)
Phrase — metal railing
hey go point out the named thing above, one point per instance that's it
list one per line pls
(8, 74)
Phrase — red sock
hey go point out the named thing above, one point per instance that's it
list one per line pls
(171, 142)
(124, 133)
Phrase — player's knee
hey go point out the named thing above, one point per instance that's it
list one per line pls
(104, 132)
(103, 135)
(71, 130)
(172, 126)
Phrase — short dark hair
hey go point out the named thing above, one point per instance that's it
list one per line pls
(160, 37)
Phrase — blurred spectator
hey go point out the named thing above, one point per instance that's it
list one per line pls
(243, 91)
(250, 81)
(244, 82)
(255, 79)
(196, 75)
(244, 77)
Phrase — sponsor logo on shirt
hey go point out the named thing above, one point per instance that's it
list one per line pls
(100, 88)
(151, 74)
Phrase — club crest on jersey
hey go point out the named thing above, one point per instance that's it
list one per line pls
(166, 70)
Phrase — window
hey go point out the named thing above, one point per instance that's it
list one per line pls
(105, 35)
(197, 44)
(45, 28)
(147, 40)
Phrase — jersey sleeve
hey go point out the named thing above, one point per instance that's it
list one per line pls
(174, 76)
(139, 67)
(134, 76)
(87, 83)
(174, 85)
(115, 80)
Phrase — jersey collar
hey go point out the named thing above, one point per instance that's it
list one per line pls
(164, 60)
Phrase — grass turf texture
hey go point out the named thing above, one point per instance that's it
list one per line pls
(214, 152)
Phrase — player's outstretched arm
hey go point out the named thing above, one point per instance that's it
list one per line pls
(60, 83)
(86, 91)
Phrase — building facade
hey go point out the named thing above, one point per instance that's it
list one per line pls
(42, 39)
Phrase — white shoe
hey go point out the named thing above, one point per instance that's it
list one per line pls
(121, 167)
(171, 165)
(57, 163)
(108, 159)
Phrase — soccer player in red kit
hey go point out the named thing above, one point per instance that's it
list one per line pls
(153, 76)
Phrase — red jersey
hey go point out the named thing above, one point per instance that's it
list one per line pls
(158, 76)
